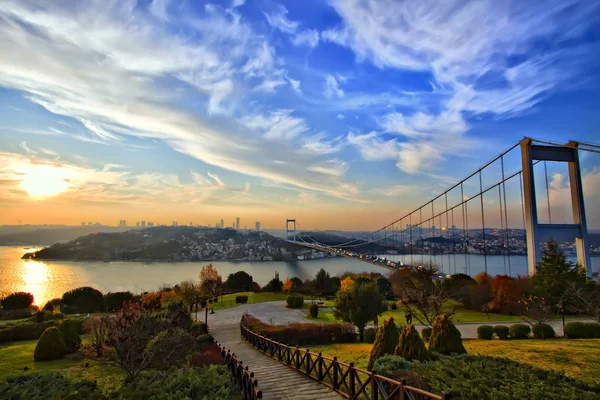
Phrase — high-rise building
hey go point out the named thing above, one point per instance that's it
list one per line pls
(257, 226)
(137, 224)
(175, 223)
(233, 225)
(143, 224)
(237, 223)
(122, 223)
(191, 223)
(150, 224)
(222, 224)
(90, 223)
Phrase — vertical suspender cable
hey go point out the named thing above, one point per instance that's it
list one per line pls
(453, 241)
(506, 229)
(465, 227)
(483, 223)
(412, 262)
(447, 232)
(502, 225)
(432, 233)
(421, 232)
(547, 192)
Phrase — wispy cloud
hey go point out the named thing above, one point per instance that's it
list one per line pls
(331, 88)
(278, 20)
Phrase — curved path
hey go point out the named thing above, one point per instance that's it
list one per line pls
(275, 380)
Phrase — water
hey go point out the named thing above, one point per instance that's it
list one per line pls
(49, 279)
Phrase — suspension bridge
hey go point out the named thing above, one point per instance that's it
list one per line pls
(502, 217)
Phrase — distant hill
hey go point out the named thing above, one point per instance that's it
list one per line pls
(46, 235)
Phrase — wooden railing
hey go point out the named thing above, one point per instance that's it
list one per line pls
(346, 379)
(243, 378)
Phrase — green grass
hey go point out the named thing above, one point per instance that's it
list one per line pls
(579, 358)
(228, 300)
(16, 356)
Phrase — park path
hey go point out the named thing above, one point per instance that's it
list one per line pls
(275, 380)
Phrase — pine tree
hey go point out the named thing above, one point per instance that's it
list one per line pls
(411, 346)
(385, 341)
(445, 337)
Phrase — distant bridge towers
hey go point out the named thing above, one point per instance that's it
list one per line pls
(290, 229)
(537, 232)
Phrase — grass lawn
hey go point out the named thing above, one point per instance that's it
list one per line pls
(228, 300)
(16, 356)
(579, 358)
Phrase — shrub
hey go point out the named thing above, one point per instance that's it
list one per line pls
(151, 301)
(410, 345)
(386, 341)
(582, 330)
(502, 332)
(241, 299)
(426, 333)
(70, 331)
(169, 348)
(543, 331)
(388, 364)
(20, 313)
(485, 332)
(15, 301)
(198, 328)
(83, 300)
(52, 305)
(393, 306)
(24, 331)
(51, 345)
(370, 334)
(40, 316)
(519, 331)
(300, 334)
(48, 386)
(205, 338)
(295, 301)
(213, 382)
(445, 337)
(313, 310)
(114, 301)
(487, 378)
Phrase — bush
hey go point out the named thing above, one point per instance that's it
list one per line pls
(198, 328)
(393, 306)
(18, 300)
(70, 331)
(213, 382)
(410, 345)
(169, 348)
(51, 345)
(582, 330)
(313, 310)
(301, 334)
(205, 338)
(388, 364)
(426, 333)
(370, 334)
(295, 301)
(543, 331)
(40, 316)
(485, 332)
(114, 301)
(519, 331)
(445, 337)
(52, 305)
(20, 313)
(48, 386)
(24, 331)
(83, 300)
(502, 332)
(386, 341)
(241, 299)
(488, 378)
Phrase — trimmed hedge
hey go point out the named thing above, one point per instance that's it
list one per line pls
(519, 331)
(582, 330)
(485, 332)
(21, 313)
(502, 331)
(426, 333)
(543, 331)
(300, 334)
(51, 345)
(48, 386)
(313, 310)
(82, 300)
(30, 330)
(17, 300)
(241, 299)
(295, 301)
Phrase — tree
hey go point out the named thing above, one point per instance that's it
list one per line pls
(385, 288)
(554, 273)
(288, 285)
(274, 285)
(385, 341)
(324, 284)
(359, 305)
(239, 282)
(420, 295)
(445, 337)
(536, 310)
(18, 300)
(83, 300)
(190, 293)
(506, 293)
(210, 280)
(346, 283)
(410, 345)
(587, 299)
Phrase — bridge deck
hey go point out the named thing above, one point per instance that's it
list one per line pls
(276, 380)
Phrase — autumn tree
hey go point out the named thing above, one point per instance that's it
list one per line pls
(210, 280)
(189, 292)
(346, 283)
(287, 285)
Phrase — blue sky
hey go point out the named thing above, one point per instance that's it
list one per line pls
(320, 110)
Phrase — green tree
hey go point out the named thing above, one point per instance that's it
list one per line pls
(385, 342)
(445, 337)
(410, 345)
(239, 282)
(553, 276)
(359, 304)
(18, 300)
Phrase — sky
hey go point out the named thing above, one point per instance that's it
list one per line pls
(343, 114)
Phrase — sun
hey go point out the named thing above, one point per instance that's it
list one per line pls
(41, 181)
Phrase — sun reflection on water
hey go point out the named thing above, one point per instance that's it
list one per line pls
(35, 278)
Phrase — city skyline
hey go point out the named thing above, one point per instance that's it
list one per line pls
(337, 113)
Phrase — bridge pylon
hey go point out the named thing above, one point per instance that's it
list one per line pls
(290, 229)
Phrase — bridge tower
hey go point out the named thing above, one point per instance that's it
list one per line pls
(535, 231)
(290, 228)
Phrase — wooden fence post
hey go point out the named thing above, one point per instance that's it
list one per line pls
(320, 367)
(374, 388)
(402, 394)
(351, 373)
(446, 396)
(335, 374)
(308, 360)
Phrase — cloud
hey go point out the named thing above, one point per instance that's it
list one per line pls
(396, 190)
(158, 8)
(373, 148)
(332, 88)
(237, 3)
(295, 85)
(269, 85)
(24, 146)
(307, 37)
(278, 20)
(340, 116)
(317, 144)
(215, 178)
(330, 167)
(277, 125)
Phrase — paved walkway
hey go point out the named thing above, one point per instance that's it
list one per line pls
(276, 380)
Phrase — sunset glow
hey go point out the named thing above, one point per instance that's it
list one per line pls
(44, 181)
